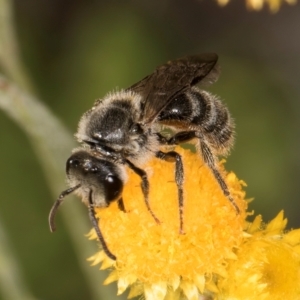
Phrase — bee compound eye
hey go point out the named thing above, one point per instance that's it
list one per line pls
(72, 163)
(137, 129)
(113, 187)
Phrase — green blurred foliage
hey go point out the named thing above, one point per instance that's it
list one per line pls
(77, 51)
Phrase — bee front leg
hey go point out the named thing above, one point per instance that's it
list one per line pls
(94, 221)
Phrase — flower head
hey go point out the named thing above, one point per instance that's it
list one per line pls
(221, 256)
(155, 259)
(267, 264)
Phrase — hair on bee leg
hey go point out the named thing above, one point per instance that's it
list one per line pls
(209, 159)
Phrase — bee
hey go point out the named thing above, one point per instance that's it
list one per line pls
(125, 129)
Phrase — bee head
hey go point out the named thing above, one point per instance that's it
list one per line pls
(104, 178)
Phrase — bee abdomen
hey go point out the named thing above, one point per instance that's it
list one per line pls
(213, 119)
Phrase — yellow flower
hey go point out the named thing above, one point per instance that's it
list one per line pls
(267, 265)
(221, 256)
(274, 5)
(154, 259)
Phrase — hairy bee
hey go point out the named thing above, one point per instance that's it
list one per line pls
(125, 129)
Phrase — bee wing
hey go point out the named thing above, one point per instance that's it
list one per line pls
(172, 79)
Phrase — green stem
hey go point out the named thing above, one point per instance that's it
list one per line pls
(52, 144)
(9, 51)
(50, 140)
(12, 284)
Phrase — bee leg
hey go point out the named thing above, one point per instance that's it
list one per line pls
(121, 205)
(173, 156)
(94, 221)
(144, 186)
(209, 159)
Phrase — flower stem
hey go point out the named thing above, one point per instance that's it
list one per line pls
(12, 283)
(9, 51)
(49, 138)
(52, 144)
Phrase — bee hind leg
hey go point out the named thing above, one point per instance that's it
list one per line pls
(173, 156)
(208, 157)
(210, 160)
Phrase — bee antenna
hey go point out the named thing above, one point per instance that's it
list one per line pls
(56, 205)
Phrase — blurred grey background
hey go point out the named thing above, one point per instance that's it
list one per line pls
(76, 51)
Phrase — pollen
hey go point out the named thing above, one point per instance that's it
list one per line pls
(154, 259)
